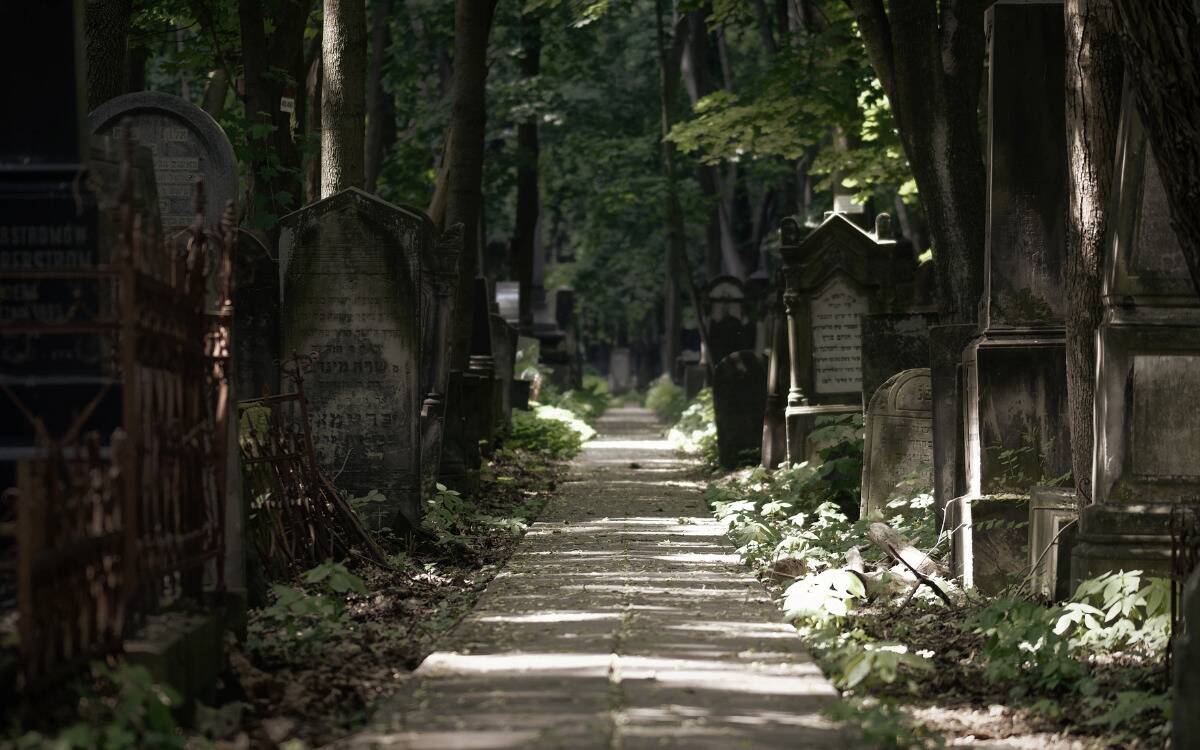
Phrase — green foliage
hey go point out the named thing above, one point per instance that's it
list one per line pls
(666, 400)
(303, 617)
(586, 403)
(1118, 610)
(696, 430)
(123, 708)
(1021, 646)
(884, 725)
(548, 431)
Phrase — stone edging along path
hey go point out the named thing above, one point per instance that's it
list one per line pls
(623, 620)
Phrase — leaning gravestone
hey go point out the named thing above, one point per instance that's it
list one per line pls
(187, 145)
(350, 267)
(899, 438)
(739, 401)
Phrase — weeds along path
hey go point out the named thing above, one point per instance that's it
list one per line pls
(623, 620)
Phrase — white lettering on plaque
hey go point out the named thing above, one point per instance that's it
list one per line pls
(837, 338)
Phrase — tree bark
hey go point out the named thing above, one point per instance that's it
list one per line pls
(1162, 54)
(312, 116)
(272, 186)
(929, 58)
(381, 110)
(528, 194)
(106, 31)
(465, 154)
(669, 61)
(1093, 107)
(343, 95)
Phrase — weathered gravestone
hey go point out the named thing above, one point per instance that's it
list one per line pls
(504, 352)
(1147, 416)
(256, 318)
(1014, 372)
(834, 276)
(1052, 511)
(728, 327)
(508, 298)
(899, 438)
(620, 370)
(187, 145)
(739, 399)
(439, 279)
(351, 267)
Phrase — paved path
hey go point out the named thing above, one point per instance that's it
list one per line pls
(624, 620)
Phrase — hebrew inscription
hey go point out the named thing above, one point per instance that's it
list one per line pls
(837, 338)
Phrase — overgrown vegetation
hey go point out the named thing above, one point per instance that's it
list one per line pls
(666, 400)
(695, 431)
(916, 660)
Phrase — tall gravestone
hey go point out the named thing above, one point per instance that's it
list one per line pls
(351, 273)
(1015, 420)
(774, 433)
(50, 229)
(439, 279)
(899, 438)
(186, 143)
(729, 328)
(739, 399)
(256, 318)
(1147, 406)
(504, 352)
(835, 275)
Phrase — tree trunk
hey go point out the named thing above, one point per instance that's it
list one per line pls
(381, 110)
(1162, 54)
(272, 186)
(1093, 107)
(312, 117)
(669, 71)
(929, 58)
(528, 195)
(343, 95)
(464, 158)
(106, 29)
(215, 92)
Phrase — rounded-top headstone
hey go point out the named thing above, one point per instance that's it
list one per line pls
(186, 143)
(899, 437)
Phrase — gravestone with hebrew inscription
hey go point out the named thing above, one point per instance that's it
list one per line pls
(351, 267)
(835, 275)
(739, 400)
(1147, 404)
(899, 439)
(187, 145)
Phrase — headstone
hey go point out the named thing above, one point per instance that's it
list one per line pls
(1051, 510)
(351, 266)
(835, 275)
(620, 370)
(439, 280)
(460, 458)
(729, 329)
(508, 297)
(891, 342)
(187, 144)
(774, 435)
(482, 362)
(695, 377)
(520, 394)
(899, 438)
(1147, 403)
(504, 344)
(739, 400)
(256, 318)
(946, 344)
(1185, 719)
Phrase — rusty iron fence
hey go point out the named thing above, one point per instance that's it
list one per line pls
(298, 519)
(106, 534)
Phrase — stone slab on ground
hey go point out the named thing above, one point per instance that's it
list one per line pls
(623, 620)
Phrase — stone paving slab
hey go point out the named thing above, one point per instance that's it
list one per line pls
(624, 620)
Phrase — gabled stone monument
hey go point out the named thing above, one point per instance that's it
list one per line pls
(835, 275)
(351, 270)
(1147, 418)
(1014, 406)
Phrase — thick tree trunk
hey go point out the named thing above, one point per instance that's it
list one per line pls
(106, 30)
(381, 110)
(528, 193)
(464, 165)
(312, 117)
(272, 186)
(1093, 105)
(1162, 53)
(343, 95)
(669, 71)
(929, 58)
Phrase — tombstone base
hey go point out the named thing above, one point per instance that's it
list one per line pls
(801, 420)
(1127, 537)
(990, 546)
(1051, 509)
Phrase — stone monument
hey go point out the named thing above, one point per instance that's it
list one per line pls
(1014, 392)
(350, 265)
(774, 434)
(739, 399)
(256, 316)
(834, 276)
(729, 329)
(899, 438)
(1147, 418)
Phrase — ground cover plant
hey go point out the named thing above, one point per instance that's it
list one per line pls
(920, 661)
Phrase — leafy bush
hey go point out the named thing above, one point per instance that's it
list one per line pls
(696, 430)
(548, 430)
(666, 400)
(303, 617)
(453, 520)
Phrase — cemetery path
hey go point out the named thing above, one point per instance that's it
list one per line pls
(624, 620)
